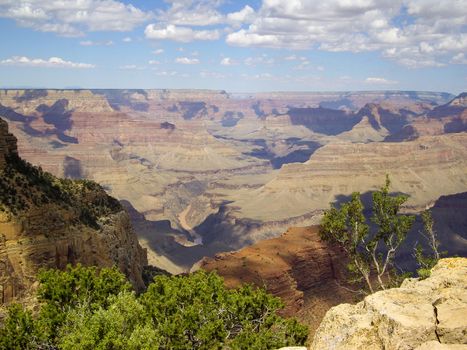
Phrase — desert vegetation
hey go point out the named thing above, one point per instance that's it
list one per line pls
(372, 246)
(90, 308)
(23, 186)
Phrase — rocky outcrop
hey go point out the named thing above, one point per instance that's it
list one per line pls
(47, 222)
(421, 314)
(289, 266)
(7, 144)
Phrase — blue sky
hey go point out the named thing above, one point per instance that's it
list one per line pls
(244, 46)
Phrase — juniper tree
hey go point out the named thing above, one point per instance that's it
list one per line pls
(371, 252)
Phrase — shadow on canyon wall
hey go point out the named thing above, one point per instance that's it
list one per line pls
(57, 116)
(221, 232)
(450, 222)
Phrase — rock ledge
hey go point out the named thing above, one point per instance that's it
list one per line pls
(421, 314)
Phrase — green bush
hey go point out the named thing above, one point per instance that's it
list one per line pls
(18, 331)
(87, 308)
(23, 186)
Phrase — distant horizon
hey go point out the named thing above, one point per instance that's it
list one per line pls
(237, 92)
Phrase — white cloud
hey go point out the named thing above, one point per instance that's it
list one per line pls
(429, 32)
(153, 62)
(96, 43)
(227, 61)
(127, 39)
(158, 52)
(215, 75)
(181, 34)
(244, 38)
(379, 81)
(167, 73)
(259, 60)
(74, 17)
(303, 65)
(412, 57)
(192, 13)
(459, 59)
(52, 62)
(187, 60)
(245, 15)
(295, 58)
(259, 76)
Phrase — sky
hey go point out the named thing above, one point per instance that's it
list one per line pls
(235, 45)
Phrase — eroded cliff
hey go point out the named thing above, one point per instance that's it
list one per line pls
(50, 222)
(227, 170)
(297, 267)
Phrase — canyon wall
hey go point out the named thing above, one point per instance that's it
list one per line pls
(46, 222)
(8, 145)
(209, 171)
(308, 274)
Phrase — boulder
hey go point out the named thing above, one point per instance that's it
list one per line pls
(423, 314)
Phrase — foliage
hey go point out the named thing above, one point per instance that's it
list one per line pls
(18, 331)
(369, 252)
(23, 186)
(347, 227)
(87, 308)
(426, 261)
(60, 291)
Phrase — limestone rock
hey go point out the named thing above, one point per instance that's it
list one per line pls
(435, 345)
(418, 314)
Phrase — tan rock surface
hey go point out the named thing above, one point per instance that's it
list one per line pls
(435, 345)
(342, 168)
(43, 225)
(403, 318)
(237, 164)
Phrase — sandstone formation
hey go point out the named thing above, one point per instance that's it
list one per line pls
(426, 314)
(296, 266)
(200, 166)
(425, 169)
(50, 222)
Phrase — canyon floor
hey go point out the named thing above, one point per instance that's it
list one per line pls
(203, 172)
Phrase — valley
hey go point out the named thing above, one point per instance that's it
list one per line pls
(203, 171)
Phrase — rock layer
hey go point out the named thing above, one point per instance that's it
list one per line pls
(426, 314)
(288, 266)
(227, 167)
(46, 222)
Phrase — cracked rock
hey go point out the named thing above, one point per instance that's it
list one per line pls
(422, 314)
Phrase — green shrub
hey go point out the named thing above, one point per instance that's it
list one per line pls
(88, 308)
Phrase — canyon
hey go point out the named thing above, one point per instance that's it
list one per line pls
(202, 172)
(47, 222)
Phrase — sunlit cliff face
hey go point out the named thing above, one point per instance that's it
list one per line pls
(226, 170)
